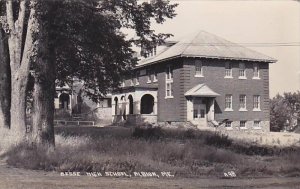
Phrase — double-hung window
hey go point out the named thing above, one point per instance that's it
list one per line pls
(228, 70)
(256, 124)
(243, 125)
(243, 103)
(228, 102)
(198, 68)
(255, 71)
(256, 103)
(169, 82)
(228, 124)
(242, 71)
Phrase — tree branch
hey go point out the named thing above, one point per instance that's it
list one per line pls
(19, 29)
(32, 27)
(10, 15)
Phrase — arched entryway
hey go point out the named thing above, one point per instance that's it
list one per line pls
(147, 104)
(64, 101)
(130, 104)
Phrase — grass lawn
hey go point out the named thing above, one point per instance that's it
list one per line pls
(185, 153)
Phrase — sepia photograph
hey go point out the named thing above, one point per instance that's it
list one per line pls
(175, 94)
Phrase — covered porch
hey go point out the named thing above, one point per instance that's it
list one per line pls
(201, 105)
(135, 105)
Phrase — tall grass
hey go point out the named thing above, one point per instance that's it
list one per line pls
(183, 152)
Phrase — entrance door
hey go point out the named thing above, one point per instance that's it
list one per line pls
(200, 114)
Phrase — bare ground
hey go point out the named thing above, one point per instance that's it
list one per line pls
(16, 178)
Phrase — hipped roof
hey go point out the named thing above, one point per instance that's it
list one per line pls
(207, 45)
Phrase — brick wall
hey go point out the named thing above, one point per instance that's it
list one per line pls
(174, 109)
(214, 73)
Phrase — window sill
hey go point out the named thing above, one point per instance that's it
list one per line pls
(243, 110)
(199, 76)
(243, 128)
(137, 83)
(242, 77)
(228, 110)
(148, 82)
(228, 77)
(229, 128)
(256, 110)
(257, 128)
(154, 80)
(168, 97)
(256, 78)
(169, 80)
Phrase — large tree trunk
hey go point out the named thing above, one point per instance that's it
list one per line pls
(44, 86)
(20, 58)
(4, 82)
(44, 91)
(18, 103)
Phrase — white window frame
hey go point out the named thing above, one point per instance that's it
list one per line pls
(242, 71)
(257, 126)
(243, 105)
(228, 70)
(245, 124)
(228, 123)
(169, 81)
(169, 93)
(256, 100)
(169, 73)
(256, 74)
(226, 102)
(198, 68)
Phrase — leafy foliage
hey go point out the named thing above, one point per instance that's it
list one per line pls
(284, 111)
(88, 42)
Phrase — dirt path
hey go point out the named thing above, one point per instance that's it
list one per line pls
(22, 179)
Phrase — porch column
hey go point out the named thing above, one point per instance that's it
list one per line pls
(155, 108)
(137, 107)
(189, 109)
(212, 109)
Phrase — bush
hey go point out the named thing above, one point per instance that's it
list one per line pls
(148, 133)
(218, 140)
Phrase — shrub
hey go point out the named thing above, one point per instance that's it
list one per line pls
(148, 133)
(218, 140)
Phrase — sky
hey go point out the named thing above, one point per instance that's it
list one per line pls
(263, 22)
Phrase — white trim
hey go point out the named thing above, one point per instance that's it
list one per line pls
(258, 74)
(256, 78)
(228, 110)
(167, 97)
(242, 77)
(228, 68)
(256, 110)
(228, 77)
(243, 110)
(199, 76)
(199, 64)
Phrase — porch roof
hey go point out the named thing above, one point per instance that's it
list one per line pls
(201, 90)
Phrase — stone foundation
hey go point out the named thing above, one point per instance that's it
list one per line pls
(235, 126)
